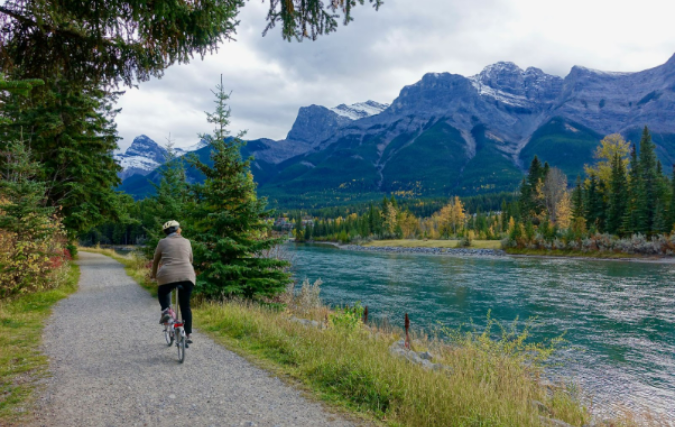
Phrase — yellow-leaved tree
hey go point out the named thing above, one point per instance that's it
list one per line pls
(564, 211)
(408, 224)
(390, 219)
(451, 217)
(610, 146)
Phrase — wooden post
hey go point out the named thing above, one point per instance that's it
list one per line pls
(365, 315)
(407, 328)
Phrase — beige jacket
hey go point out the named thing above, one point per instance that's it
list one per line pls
(175, 255)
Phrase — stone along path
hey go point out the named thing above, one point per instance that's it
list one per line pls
(112, 367)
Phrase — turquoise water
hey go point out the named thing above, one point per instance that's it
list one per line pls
(619, 317)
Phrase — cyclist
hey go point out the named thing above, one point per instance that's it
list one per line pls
(174, 253)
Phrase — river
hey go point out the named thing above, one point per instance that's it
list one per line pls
(618, 317)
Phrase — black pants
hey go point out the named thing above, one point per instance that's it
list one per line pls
(164, 296)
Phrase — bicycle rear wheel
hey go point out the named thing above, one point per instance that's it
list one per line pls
(180, 344)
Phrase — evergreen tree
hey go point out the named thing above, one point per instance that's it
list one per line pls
(22, 197)
(630, 220)
(299, 231)
(531, 200)
(171, 199)
(230, 227)
(578, 210)
(72, 136)
(660, 219)
(593, 203)
(647, 186)
(309, 232)
(618, 195)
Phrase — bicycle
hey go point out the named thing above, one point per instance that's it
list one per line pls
(175, 331)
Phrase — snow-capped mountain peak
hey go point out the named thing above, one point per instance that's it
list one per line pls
(145, 155)
(360, 110)
(510, 84)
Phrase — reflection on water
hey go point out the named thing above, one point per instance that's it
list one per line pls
(618, 316)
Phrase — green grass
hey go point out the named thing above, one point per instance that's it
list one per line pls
(355, 371)
(21, 361)
(475, 244)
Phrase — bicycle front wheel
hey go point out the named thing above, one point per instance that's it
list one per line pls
(180, 344)
(168, 336)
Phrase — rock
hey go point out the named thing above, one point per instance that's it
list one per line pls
(413, 357)
(426, 355)
(399, 344)
(398, 351)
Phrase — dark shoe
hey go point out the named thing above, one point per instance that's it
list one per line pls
(166, 317)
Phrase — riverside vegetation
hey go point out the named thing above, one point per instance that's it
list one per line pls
(493, 376)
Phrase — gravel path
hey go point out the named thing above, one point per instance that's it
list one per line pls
(111, 367)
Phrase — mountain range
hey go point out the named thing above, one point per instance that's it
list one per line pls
(450, 134)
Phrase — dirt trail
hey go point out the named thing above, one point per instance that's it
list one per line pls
(111, 367)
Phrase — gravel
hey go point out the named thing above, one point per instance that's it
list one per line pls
(110, 366)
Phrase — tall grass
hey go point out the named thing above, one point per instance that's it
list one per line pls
(21, 361)
(480, 387)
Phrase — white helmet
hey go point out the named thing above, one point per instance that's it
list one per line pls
(170, 224)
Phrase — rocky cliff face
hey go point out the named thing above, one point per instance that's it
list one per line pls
(615, 102)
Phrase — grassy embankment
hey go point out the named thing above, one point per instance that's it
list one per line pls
(496, 244)
(21, 362)
(574, 254)
(352, 369)
(475, 244)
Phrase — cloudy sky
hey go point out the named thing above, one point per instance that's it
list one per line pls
(380, 52)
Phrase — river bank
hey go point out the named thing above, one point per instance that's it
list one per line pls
(512, 253)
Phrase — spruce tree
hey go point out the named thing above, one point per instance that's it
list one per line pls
(230, 228)
(171, 199)
(72, 136)
(647, 188)
(531, 204)
(593, 205)
(630, 219)
(618, 195)
(578, 209)
(22, 197)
